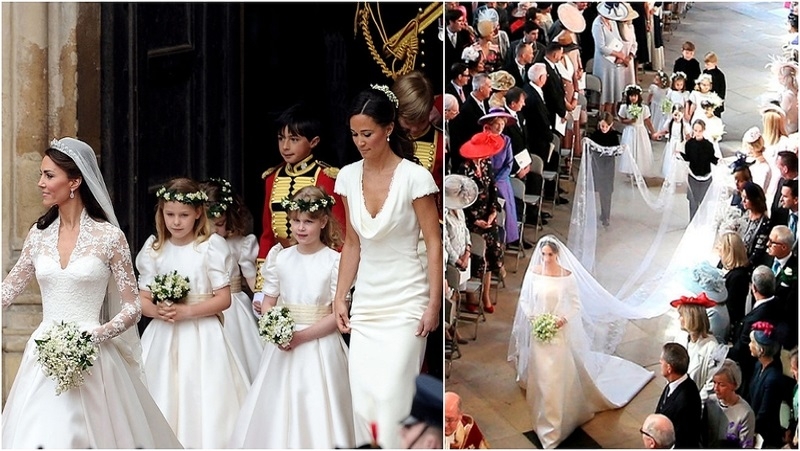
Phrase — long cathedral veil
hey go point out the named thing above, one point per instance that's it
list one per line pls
(602, 317)
(84, 157)
(651, 281)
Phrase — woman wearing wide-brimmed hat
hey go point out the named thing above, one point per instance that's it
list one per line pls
(482, 215)
(495, 122)
(460, 192)
(609, 52)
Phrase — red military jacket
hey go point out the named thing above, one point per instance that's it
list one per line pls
(283, 181)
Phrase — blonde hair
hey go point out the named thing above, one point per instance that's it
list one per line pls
(695, 320)
(774, 127)
(415, 97)
(608, 118)
(688, 45)
(732, 251)
(755, 148)
(202, 226)
(710, 57)
(331, 234)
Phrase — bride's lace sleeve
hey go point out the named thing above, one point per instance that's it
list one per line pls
(23, 270)
(121, 265)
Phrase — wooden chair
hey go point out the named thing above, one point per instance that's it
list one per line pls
(474, 288)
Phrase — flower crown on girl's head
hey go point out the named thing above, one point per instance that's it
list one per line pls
(307, 205)
(630, 88)
(677, 75)
(217, 209)
(702, 78)
(662, 77)
(388, 92)
(196, 198)
(713, 101)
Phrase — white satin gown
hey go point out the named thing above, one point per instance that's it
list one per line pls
(300, 399)
(113, 408)
(391, 294)
(566, 382)
(241, 325)
(192, 370)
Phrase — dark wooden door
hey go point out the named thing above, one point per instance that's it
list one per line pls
(171, 99)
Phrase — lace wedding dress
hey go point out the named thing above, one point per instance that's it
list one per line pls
(113, 408)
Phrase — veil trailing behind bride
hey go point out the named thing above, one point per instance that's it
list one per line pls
(567, 381)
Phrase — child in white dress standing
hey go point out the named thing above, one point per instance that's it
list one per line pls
(703, 91)
(636, 134)
(714, 126)
(673, 168)
(300, 397)
(231, 220)
(677, 94)
(659, 108)
(192, 370)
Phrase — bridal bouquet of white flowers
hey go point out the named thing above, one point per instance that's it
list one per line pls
(276, 326)
(169, 288)
(635, 111)
(65, 352)
(544, 328)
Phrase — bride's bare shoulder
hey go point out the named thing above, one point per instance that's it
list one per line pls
(537, 269)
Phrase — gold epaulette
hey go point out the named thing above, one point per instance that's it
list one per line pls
(269, 171)
(331, 172)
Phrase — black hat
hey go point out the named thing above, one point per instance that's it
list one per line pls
(428, 405)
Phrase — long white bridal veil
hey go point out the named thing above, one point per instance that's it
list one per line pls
(603, 316)
(84, 157)
(652, 243)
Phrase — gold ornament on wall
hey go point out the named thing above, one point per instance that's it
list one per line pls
(398, 53)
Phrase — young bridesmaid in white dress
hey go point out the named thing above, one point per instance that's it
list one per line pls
(636, 134)
(192, 370)
(230, 219)
(300, 397)
(673, 168)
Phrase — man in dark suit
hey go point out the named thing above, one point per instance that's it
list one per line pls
(531, 37)
(554, 96)
(457, 36)
(540, 127)
(787, 165)
(465, 125)
(680, 400)
(765, 308)
(459, 83)
(779, 246)
(519, 65)
(786, 214)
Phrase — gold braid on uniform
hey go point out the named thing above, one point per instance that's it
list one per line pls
(403, 45)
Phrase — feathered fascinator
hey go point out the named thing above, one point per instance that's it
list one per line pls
(740, 163)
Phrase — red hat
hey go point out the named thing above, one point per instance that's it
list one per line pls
(482, 145)
(702, 301)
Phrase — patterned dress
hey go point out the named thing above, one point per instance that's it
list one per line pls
(484, 206)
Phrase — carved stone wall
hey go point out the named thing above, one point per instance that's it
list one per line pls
(46, 46)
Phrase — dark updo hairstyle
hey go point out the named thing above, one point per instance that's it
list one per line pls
(377, 105)
(755, 194)
(73, 172)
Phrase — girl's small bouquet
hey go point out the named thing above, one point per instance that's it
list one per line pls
(544, 327)
(635, 111)
(276, 326)
(169, 288)
(666, 106)
(65, 352)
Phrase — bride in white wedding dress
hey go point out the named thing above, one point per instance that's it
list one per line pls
(77, 253)
(566, 381)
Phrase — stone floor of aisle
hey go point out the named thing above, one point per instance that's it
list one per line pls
(743, 35)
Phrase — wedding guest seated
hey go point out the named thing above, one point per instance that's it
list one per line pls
(680, 400)
(705, 352)
(460, 429)
(736, 267)
(762, 285)
(765, 388)
(422, 429)
(730, 421)
(657, 432)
